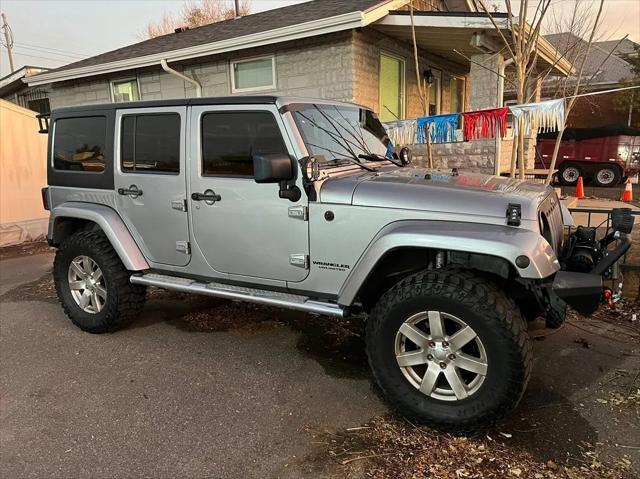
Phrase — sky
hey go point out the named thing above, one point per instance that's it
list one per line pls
(51, 33)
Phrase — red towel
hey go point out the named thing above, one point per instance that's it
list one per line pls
(485, 123)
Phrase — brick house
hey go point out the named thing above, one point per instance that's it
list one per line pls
(357, 50)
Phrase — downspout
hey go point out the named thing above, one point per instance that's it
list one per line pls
(499, 104)
(170, 70)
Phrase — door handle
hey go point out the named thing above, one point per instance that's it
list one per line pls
(132, 191)
(209, 197)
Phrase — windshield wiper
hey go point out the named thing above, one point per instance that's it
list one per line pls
(375, 157)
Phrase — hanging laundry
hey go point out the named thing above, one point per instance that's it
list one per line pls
(402, 132)
(443, 128)
(531, 118)
(485, 124)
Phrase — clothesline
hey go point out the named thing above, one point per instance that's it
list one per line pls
(546, 116)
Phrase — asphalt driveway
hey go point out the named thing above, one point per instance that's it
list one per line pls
(200, 387)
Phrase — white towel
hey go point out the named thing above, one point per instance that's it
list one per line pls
(545, 116)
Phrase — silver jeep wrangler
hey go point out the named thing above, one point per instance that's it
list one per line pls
(304, 204)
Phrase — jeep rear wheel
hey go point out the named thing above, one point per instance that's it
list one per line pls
(93, 285)
(449, 349)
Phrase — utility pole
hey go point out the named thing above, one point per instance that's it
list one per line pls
(8, 38)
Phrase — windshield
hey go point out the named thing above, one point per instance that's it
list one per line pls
(341, 131)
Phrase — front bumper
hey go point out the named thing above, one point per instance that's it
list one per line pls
(581, 291)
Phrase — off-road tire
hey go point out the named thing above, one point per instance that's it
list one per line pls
(124, 300)
(492, 315)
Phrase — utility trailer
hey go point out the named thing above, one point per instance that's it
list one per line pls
(603, 156)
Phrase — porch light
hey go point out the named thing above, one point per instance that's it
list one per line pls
(428, 76)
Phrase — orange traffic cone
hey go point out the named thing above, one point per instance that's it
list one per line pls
(627, 194)
(580, 188)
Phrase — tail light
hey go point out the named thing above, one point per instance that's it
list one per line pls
(45, 198)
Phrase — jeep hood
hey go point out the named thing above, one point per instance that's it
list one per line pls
(433, 190)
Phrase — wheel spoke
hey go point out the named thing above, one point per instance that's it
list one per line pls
(469, 363)
(412, 358)
(430, 378)
(76, 285)
(77, 269)
(97, 275)
(85, 298)
(414, 334)
(436, 325)
(454, 380)
(87, 265)
(101, 292)
(95, 301)
(462, 337)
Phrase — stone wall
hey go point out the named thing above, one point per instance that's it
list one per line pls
(368, 44)
(319, 67)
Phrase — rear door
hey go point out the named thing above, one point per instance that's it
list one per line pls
(248, 230)
(150, 181)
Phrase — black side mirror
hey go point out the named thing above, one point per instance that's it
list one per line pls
(272, 168)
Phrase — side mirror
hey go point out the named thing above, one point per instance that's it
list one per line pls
(272, 168)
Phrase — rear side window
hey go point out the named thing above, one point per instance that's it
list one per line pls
(230, 139)
(150, 143)
(79, 144)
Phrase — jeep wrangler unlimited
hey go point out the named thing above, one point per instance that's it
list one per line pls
(304, 204)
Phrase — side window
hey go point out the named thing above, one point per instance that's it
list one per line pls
(150, 143)
(230, 139)
(79, 144)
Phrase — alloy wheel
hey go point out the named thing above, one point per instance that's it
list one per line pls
(87, 284)
(441, 355)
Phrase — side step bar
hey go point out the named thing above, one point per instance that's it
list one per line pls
(239, 293)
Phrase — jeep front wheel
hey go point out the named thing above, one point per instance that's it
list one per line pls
(93, 285)
(449, 349)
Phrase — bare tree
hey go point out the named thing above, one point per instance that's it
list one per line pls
(195, 14)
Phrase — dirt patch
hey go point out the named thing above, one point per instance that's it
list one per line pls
(42, 289)
(390, 447)
(336, 344)
(25, 249)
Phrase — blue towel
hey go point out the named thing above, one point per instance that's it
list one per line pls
(443, 129)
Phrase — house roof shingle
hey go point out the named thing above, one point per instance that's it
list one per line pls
(227, 29)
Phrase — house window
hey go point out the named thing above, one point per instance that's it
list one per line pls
(125, 90)
(391, 88)
(435, 92)
(230, 139)
(457, 89)
(79, 144)
(254, 74)
(151, 143)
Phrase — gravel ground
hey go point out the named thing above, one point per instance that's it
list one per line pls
(201, 387)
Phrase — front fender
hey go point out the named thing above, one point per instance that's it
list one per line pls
(110, 223)
(493, 240)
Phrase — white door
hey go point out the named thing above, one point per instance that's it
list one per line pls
(244, 228)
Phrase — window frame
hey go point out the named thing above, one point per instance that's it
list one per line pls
(112, 84)
(403, 83)
(452, 92)
(233, 111)
(148, 172)
(272, 86)
(52, 149)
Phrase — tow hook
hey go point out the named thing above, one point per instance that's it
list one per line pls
(608, 297)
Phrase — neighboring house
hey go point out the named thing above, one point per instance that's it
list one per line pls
(357, 50)
(605, 68)
(14, 89)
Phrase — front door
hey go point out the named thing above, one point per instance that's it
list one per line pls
(150, 181)
(391, 88)
(241, 227)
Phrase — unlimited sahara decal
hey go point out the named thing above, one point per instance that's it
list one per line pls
(331, 266)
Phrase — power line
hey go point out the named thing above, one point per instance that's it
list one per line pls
(38, 47)
(75, 57)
